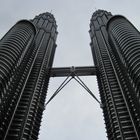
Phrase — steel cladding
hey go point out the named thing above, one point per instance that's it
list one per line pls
(121, 112)
(26, 58)
(27, 52)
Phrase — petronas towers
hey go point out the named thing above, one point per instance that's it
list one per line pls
(26, 57)
(115, 45)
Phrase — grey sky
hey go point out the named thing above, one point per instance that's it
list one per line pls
(73, 114)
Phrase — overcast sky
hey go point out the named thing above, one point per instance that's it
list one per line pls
(73, 114)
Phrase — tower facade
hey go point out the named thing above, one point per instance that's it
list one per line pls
(26, 57)
(115, 45)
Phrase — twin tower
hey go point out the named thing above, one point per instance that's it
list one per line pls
(26, 57)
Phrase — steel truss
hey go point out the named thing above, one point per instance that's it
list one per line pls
(73, 73)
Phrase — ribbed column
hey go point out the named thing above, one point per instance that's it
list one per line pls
(27, 117)
(112, 84)
(125, 40)
(13, 48)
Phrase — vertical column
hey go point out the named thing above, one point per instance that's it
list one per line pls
(13, 48)
(112, 84)
(27, 116)
(125, 40)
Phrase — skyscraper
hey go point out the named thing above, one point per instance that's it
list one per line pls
(26, 56)
(115, 49)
